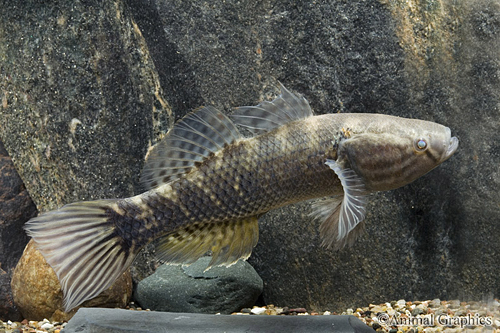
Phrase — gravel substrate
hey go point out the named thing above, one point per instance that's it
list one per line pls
(393, 317)
(401, 316)
(31, 326)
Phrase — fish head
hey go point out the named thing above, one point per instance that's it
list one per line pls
(391, 152)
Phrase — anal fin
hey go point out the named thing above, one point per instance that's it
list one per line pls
(229, 241)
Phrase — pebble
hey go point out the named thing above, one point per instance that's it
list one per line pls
(47, 326)
(435, 303)
(416, 311)
(31, 326)
(258, 311)
(378, 308)
(454, 304)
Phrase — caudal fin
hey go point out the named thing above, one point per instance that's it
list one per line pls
(83, 248)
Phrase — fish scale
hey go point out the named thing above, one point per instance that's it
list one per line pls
(207, 185)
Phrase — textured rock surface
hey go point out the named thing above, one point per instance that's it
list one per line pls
(38, 295)
(438, 60)
(8, 309)
(80, 99)
(16, 208)
(189, 289)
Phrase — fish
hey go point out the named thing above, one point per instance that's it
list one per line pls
(212, 176)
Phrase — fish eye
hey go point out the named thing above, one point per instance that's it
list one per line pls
(421, 144)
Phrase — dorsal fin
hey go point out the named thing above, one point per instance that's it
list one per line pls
(191, 140)
(264, 117)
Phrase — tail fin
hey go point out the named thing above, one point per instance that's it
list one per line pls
(83, 248)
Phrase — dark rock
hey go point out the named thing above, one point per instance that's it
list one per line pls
(8, 309)
(16, 208)
(121, 321)
(80, 99)
(37, 291)
(191, 289)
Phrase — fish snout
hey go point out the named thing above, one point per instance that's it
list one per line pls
(451, 145)
(452, 148)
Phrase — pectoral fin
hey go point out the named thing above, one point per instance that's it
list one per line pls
(343, 217)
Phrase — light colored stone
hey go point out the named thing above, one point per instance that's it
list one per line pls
(401, 303)
(38, 294)
(377, 308)
(258, 311)
(46, 326)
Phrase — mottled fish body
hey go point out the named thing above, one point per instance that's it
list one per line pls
(207, 185)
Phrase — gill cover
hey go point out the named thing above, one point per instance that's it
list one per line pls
(362, 161)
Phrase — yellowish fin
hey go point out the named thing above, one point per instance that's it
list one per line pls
(229, 241)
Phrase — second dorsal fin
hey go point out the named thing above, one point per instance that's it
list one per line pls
(191, 140)
(264, 117)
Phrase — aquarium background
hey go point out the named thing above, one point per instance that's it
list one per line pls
(86, 87)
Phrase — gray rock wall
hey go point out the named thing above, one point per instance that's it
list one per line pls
(80, 99)
(117, 67)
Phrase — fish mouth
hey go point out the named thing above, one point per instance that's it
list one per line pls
(452, 146)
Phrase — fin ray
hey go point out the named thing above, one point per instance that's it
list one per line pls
(229, 241)
(342, 216)
(267, 115)
(88, 256)
(191, 140)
